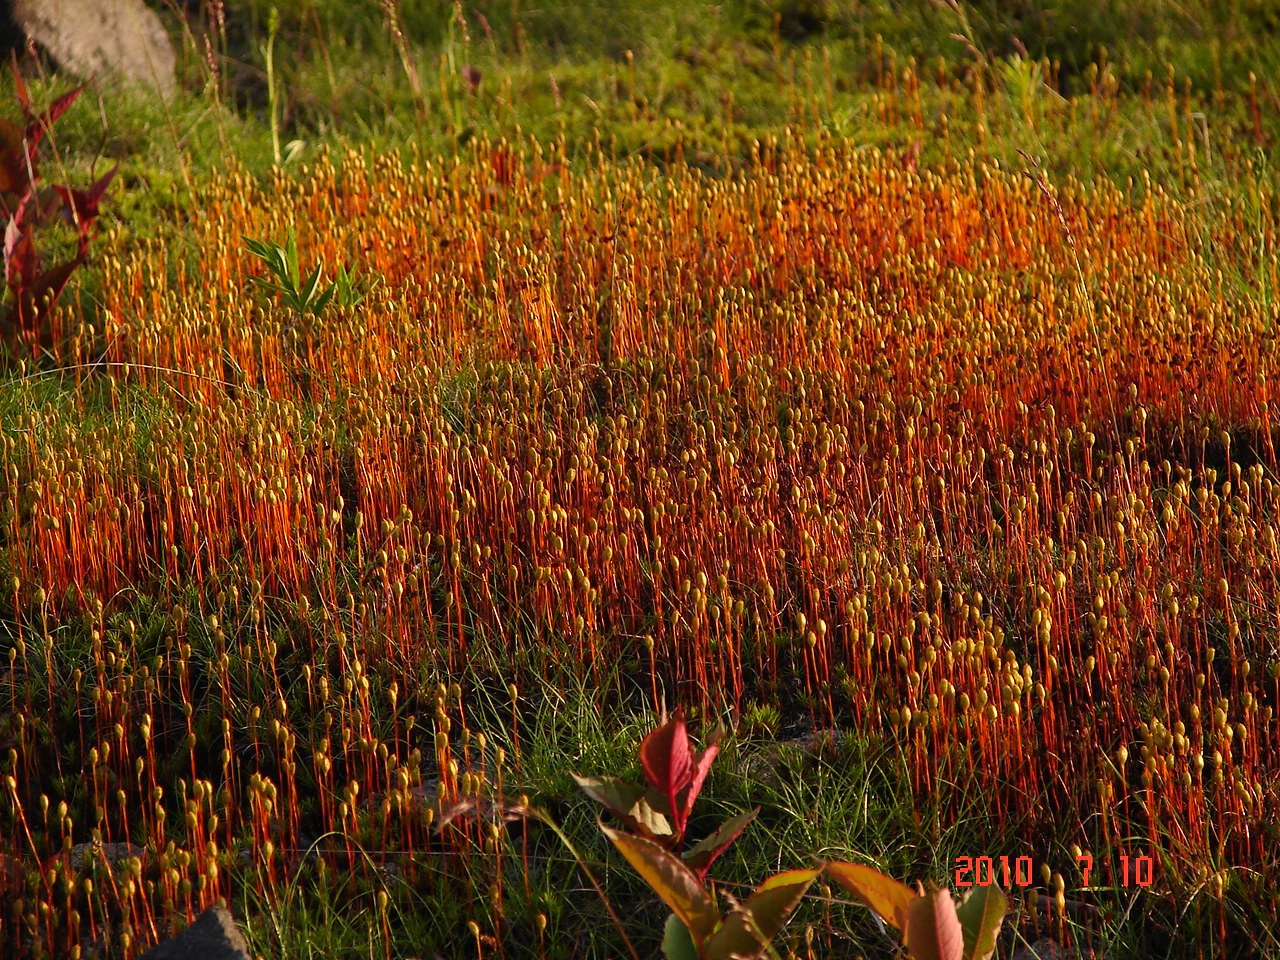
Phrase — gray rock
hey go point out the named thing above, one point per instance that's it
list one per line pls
(212, 936)
(87, 854)
(102, 39)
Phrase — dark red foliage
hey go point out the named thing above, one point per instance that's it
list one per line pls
(675, 776)
(29, 205)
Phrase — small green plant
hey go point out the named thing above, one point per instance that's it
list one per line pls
(761, 720)
(1023, 80)
(304, 295)
(657, 812)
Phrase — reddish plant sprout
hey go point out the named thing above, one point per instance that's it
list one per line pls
(29, 205)
(659, 811)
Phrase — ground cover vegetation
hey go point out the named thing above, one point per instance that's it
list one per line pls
(444, 394)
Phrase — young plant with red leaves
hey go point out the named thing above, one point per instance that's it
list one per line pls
(659, 810)
(28, 206)
(933, 927)
(658, 813)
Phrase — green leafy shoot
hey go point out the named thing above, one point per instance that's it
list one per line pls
(304, 295)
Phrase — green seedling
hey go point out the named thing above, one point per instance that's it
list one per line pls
(304, 295)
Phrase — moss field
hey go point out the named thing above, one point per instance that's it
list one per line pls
(893, 383)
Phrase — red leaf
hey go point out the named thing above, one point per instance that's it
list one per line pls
(700, 857)
(38, 126)
(671, 880)
(18, 144)
(81, 206)
(59, 106)
(41, 294)
(49, 286)
(668, 765)
(34, 301)
(933, 930)
(701, 767)
(15, 176)
(20, 87)
(21, 260)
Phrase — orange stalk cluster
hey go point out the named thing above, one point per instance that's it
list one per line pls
(950, 454)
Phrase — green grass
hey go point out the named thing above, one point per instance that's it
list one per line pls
(709, 78)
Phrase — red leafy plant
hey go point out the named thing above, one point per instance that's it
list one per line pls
(659, 810)
(932, 925)
(28, 204)
(656, 814)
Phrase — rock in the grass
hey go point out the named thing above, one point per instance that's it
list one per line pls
(86, 854)
(212, 936)
(101, 39)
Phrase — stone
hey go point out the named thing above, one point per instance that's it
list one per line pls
(102, 39)
(86, 854)
(211, 936)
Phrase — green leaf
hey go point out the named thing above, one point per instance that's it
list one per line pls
(671, 880)
(267, 285)
(291, 257)
(322, 301)
(627, 801)
(981, 914)
(748, 930)
(890, 899)
(348, 293)
(282, 262)
(309, 287)
(258, 248)
(701, 855)
(933, 929)
(677, 944)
